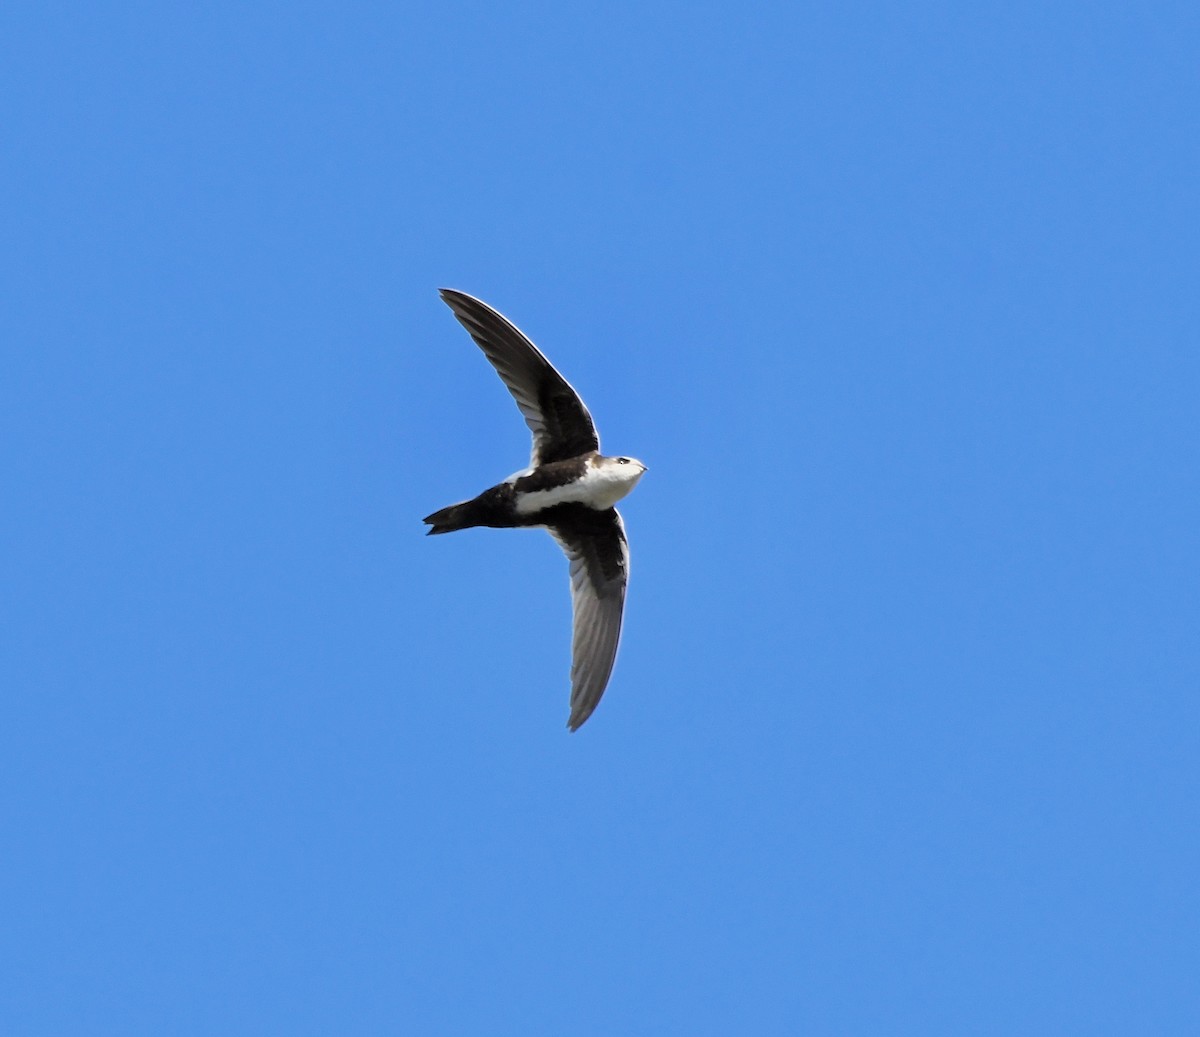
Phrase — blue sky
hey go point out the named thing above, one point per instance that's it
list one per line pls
(899, 304)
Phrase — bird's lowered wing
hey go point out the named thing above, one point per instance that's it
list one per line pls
(595, 544)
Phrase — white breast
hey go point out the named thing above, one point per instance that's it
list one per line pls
(598, 488)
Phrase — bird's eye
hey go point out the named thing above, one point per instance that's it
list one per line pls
(622, 460)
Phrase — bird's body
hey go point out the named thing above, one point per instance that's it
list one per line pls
(569, 488)
(533, 497)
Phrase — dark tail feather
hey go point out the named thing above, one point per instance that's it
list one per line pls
(457, 516)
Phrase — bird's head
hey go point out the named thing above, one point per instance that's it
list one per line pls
(623, 470)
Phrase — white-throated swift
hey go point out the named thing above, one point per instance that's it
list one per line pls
(569, 489)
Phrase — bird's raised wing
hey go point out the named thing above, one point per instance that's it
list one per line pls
(560, 423)
(595, 544)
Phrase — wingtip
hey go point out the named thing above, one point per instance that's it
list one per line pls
(578, 718)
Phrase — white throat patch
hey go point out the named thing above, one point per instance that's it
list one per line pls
(600, 487)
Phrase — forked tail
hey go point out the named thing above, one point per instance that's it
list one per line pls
(457, 516)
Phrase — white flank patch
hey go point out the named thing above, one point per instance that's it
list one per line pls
(519, 475)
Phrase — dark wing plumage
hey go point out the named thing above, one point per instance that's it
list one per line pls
(560, 423)
(595, 544)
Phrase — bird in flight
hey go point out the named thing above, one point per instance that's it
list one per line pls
(569, 489)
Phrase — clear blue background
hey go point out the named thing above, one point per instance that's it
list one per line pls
(899, 303)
